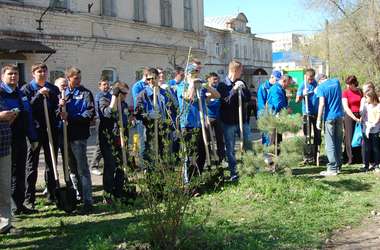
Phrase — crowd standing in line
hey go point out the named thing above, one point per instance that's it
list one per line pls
(183, 106)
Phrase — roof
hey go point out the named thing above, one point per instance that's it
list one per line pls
(218, 22)
(23, 46)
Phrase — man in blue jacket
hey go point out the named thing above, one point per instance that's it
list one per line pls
(213, 111)
(229, 111)
(36, 91)
(137, 87)
(310, 117)
(190, 120)
(22, 127)
(262, 99)
(80, 109)
(330, 106)
(277, 100)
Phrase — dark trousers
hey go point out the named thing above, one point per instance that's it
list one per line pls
(352, 155)
(220, 147)
(371, 151)
(113, 174)
(19, 151)
(97, 156)
(32, 168)
(317, 139)
(195, 149)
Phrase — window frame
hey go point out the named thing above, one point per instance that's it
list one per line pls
(105, 12)
(115, 75)
(188, 15)
(139, 11)
(166, 14)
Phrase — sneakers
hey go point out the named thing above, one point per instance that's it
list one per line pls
(24, 210)
(234, 178)
(329, 173)
(96, 171)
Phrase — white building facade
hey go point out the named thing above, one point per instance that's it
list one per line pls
(284, 41)
(230, 38)
(115, 38)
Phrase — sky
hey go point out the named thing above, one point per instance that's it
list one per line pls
(269, 16)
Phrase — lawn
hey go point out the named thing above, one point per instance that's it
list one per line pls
(262, 212)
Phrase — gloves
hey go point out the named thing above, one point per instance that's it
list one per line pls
(318, 125)
(205, 85)
(154, 115)
(115, 91)
(239, 85)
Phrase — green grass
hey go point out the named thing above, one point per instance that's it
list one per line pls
(263, 212)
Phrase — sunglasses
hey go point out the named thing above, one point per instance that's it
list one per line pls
(150, 78)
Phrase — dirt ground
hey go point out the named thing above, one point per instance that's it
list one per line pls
(365, 236)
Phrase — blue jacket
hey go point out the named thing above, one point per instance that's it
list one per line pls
(81, 110)
(24, 125)
(189, 111)
(136, 89)
(262, 95)
(144, 104)
(277, 99)
(213, 108)
(36, 100)
(313, 101)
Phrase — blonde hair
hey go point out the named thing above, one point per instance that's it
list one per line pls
(234, 65)
(69, 72)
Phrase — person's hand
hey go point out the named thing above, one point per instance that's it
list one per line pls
(115, 91)
(357, 119)
(62, 102)
(304, 92)
(238, 85)
(8, 116)
(318, 125)
(64, 116)
(34, 145)
(153, 115)
(44, 91)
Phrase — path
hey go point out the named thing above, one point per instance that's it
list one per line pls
(366, 236)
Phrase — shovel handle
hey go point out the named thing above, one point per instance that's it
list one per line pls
(50, 138)
(65, 144)
(121, 132)
(241, 120)
(204, 135)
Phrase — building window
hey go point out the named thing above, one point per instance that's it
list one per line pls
(108, 8)
(139, 10)
(245, 52)
(109, 74)
(217, 49)
(59, 4)
(139, 74)
(188, 15)
(166, 13)
(237, 52)
(55, 74)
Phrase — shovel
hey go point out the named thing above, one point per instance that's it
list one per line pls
(68, 193)
(204, 135)
(58, 192)
(241, 121)
(309, 150)
(121, 132)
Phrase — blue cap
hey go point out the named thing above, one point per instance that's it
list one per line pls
(276, 74)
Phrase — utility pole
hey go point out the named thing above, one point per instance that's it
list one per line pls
(327, 48)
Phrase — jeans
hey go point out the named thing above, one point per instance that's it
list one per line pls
(5, 192)
(78, 164)
(230, 132)
(333, 140)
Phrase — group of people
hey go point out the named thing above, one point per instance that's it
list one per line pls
(34, 116)
(202, 117)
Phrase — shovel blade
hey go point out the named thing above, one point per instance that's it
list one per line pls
(66, 199)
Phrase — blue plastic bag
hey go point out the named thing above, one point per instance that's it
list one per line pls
(358, 136)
